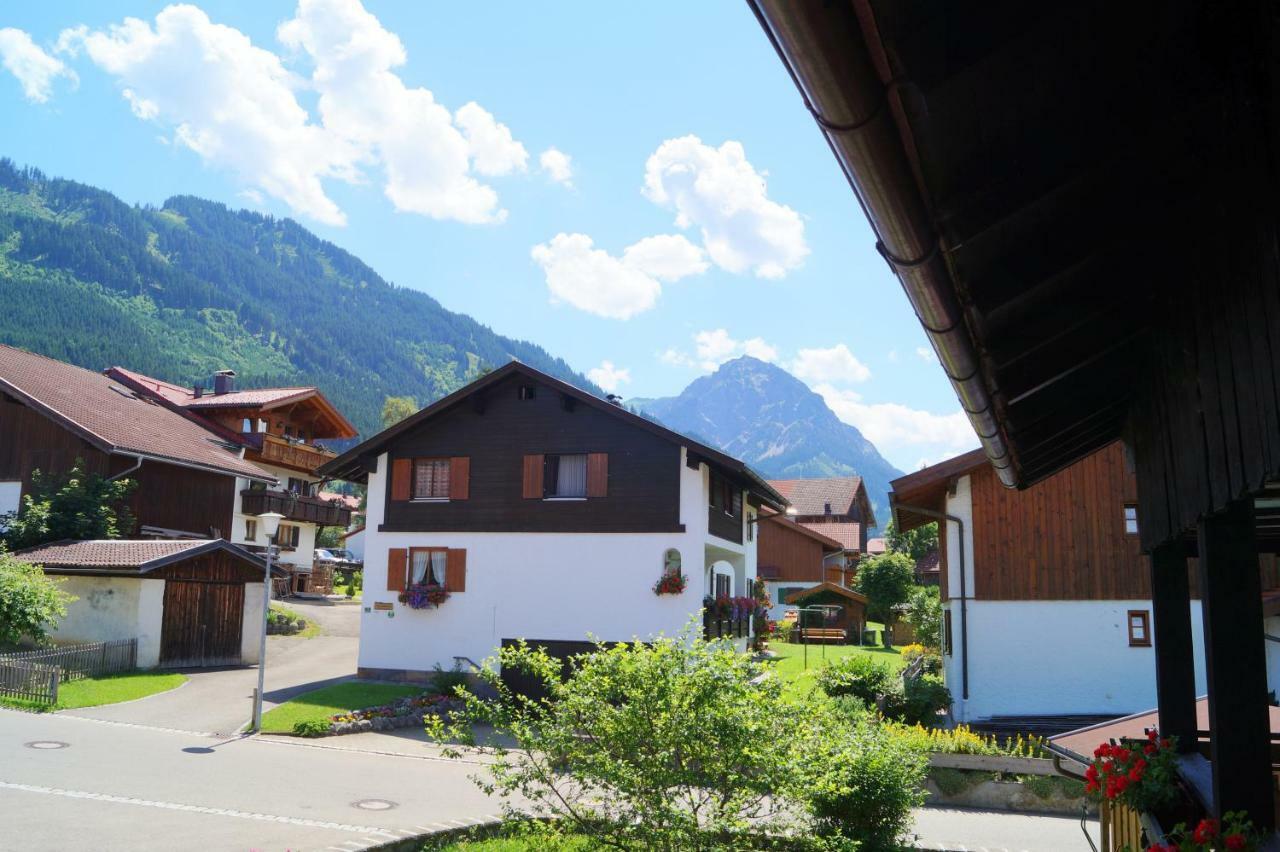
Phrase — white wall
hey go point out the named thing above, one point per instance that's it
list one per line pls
(355, 543)
(10, 498)
(150, 621)
(563, 586)
(1054, 657)
(251, 628)
(105, 608)
(779, 608)
(305, 552)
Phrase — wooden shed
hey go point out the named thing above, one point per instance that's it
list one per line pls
(189, 603)
(842, 617)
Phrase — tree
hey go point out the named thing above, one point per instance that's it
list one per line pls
(924, 614)
(77, 506)
(30, 602)
(915, 543)
(397, 408)
(886, 580)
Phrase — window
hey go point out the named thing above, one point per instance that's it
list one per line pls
(246, 425)
(251, 530)
(427, 565)
(724, 496)
(565, 476)
(299, 486)
(1130, 519)
(751, 527)
(431, 479)
(1139, 628)
(527, 392)
(287, 536)
(723, 585)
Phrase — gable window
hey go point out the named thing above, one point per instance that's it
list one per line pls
(1139, 628)
(527, 392)
(427, 565)
(1130, 519)
(565, 475)
(723, 495)
(251, 529)
(431, 479)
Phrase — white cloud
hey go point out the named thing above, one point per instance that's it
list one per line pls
(713, 347)
(237, 106)
(835, 365)
(35, 70)
(558, 166)
(890, 425)
(720, 192)
(493, 149)
(608, 376)
(595, 281)
(926, 355)
(668, 257)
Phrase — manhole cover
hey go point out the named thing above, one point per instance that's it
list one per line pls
(373, 805)
(47, 744)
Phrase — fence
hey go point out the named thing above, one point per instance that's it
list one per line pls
(35, 675)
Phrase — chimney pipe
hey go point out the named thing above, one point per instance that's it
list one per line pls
(224, 381)
(198, 390)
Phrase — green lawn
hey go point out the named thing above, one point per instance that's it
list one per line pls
(312, 628)
(320, 704)
(515, 844)
(113, 689)
(789, 663)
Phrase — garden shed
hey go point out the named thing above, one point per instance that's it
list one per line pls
(830, 612)
(189, 603)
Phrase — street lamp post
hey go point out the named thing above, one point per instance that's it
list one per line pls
(270, 525)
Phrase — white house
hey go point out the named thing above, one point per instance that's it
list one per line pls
(1045, 591)
(547, 514)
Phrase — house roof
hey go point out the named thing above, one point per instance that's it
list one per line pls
(349, 533)
(828, 544)
(930, 563)
(827, 587)
(350, 464)
(260, 399)
(124, 556)
(115, 419)
(848, 534)
(927, 489)
(876, 546)
(812, 496)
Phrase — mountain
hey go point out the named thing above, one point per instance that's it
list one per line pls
(183, 290)
(763, 415)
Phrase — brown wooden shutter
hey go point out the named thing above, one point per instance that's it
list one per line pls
(459, 477)
(533, 477)
(401, 479)
(455, 570)
(397, 568)
(597, 474)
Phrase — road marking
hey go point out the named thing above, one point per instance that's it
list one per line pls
(199, 809)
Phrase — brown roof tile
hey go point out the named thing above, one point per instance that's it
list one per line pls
(113, 418)
(811, 496)
(848, 533)
(121, 555)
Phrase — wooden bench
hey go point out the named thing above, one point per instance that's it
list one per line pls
(823, 634)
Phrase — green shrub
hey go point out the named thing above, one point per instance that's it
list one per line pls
(31, 604)
(311, 727)
(447, 682)
(860, 784)
(1051, 786)
(954, 782)
(918, 701)
(857, 675)
(782, 630)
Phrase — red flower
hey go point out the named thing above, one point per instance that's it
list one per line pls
(1091, 774)
(1091, 787)
(1166, 743)
(1140, 764)
(1151, 735)
(1236, 841)
(1205, 831)
(1135, 774)
(1149, 748)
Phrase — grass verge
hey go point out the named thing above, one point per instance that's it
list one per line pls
(113, 689)
(799, 682)
(320, 704)
(311, 630)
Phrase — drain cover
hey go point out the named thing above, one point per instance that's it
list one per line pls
(373, 805)
(46, 744)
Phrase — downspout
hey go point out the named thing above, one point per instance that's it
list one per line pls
(964, 612)
(826, 50)
(126, 471)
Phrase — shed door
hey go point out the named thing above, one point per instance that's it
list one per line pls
(202, 623)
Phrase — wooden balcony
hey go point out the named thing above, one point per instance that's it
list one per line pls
(295, 507)
(724, 627)
(272, 449)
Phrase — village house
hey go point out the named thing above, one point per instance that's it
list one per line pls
(543, 513)
(791, 557)
(836, 507)
(280, 430)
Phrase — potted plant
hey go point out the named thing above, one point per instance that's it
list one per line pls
(424, 595)
(671, 583)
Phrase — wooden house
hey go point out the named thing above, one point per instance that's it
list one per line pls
(1079, 201)
(835, 507)
(791, 557)
(828, 612)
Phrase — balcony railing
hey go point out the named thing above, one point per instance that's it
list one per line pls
(273, 449)
(295, 507)
(714, 627)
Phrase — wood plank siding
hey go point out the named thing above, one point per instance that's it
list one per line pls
(640, 479)
(782, 553)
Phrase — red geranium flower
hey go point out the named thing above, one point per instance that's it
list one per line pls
(1236, 841)
(1205, 831)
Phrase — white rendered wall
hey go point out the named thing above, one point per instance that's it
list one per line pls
(105, 608)
(10, 498)
(779, 608)
(355, 543)
(305, 552)
(150, 622)
(251, 628)
(565, 586)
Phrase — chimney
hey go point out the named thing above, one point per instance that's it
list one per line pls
(826, 508)
(224, 381)
(198, 390)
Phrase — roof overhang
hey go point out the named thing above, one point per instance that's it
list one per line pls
(927, 489)
(827, 587)
(144, 568)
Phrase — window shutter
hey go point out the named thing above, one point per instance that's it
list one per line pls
(736, 505)
(533, 477)
(397, 568)
(401, 477)
(597, 474)
(455, 571)
(459, 477)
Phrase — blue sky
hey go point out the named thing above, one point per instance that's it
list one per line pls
(415, 136)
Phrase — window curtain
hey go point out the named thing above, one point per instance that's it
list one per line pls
(421, 566)
(571, 477)
(431, 478)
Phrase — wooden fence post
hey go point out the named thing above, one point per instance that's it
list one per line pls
(53, 685)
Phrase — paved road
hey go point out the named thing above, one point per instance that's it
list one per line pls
(220, 700)
(120, 787)
(964, 830)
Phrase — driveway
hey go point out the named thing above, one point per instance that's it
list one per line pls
(220, 701)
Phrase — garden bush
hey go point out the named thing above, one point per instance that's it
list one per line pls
(312, 727)
(447, 682)
(856, 675)
(922, 699)
(31, 604)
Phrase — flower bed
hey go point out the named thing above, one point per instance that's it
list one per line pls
(403, 713)
(424, 595)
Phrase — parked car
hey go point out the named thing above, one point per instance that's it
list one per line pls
(337, 558)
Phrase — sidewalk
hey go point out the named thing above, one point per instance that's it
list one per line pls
(964, 830)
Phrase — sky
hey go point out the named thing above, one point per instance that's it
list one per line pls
(636, 187)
